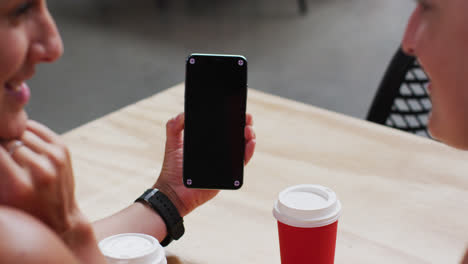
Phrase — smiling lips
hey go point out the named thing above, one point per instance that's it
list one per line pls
(19, 91)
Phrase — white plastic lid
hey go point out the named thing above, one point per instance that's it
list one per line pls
(307, 206)
(132, 248)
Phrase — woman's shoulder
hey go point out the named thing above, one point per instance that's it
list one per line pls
(26, 240)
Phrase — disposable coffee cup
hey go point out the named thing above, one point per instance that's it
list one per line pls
(307, 224)
(132, 248)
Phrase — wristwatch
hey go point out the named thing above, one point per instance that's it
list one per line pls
(161, 204)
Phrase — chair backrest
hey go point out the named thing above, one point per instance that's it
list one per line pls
(402, 100)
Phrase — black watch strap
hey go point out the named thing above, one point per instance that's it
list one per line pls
(160, 203)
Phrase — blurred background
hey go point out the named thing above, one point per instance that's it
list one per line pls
(118, 52)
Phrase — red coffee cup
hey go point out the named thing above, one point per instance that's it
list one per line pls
(307, 223)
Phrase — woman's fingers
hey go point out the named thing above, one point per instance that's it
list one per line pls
(249, 150)
(15, 183)
(248, 120)
(249, 133)
(36, 144)
(250, 138)
(47, 191)
(8, 167)
(179, 123)
(41, 168)
(174, 128)
(46, 142)
(43, 132)
(19, 152)
(6, 163)
(175, 125)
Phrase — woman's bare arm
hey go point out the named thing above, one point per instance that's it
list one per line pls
(137, 218)
(26, 240)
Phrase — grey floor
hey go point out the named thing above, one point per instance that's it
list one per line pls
(118, 52)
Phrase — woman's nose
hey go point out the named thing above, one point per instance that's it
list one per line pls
(409, 38)
(47, 45)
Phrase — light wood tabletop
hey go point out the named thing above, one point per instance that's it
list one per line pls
(405, 198)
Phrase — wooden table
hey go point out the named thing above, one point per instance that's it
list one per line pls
(405, 198)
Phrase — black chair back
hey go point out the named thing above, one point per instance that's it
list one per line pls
(402, 100)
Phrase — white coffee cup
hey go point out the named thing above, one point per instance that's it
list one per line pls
(132, 248)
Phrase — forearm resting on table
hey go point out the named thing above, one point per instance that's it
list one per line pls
(137, 218)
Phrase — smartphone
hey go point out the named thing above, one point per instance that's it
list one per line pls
(215, 105)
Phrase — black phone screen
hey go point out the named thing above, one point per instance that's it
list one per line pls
(215, 103)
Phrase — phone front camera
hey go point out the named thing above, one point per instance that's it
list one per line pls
(192, 61)
(240, 62)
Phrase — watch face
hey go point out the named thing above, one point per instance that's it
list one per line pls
(149, 193)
